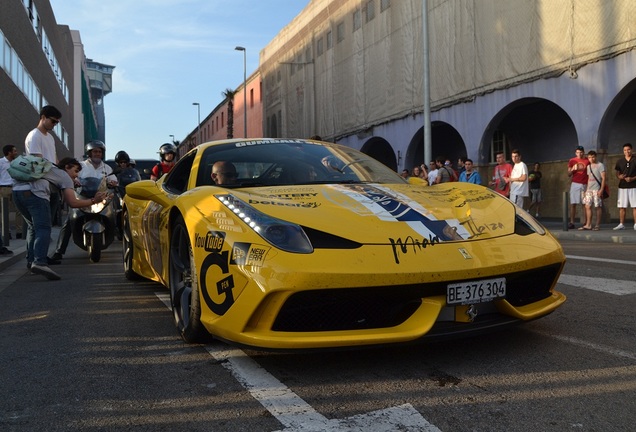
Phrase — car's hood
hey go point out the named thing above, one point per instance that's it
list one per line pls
(380, 214)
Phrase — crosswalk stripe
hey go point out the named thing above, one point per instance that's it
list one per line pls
(607, 260)
(611, 286)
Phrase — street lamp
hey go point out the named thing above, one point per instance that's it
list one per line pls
(172, 136)
(240, 48)
(198, 121)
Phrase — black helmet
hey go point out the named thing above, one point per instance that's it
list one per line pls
(167, 148)
(122, 156)
(93, 145)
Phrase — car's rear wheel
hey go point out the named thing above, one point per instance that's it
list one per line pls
(127, 249)
(184, 286)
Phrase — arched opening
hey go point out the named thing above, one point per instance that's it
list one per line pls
(445, 142)
(380, 149)
(617, 125)
(540, 129)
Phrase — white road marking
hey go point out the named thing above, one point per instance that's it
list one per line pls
(296, 414)
(610, 286)
(607, 260)
(596, 347)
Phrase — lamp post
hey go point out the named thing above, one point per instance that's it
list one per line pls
(240, 48)
(172, 136)
(198, 122)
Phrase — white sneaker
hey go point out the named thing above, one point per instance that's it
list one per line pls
(620, 226)
(45, 271)
(635, 226)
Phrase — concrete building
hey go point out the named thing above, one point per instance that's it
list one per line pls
(541, 76)
(43, 63)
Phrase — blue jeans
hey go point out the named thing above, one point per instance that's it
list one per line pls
(37, 214)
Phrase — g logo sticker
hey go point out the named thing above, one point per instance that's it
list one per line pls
(224, 285)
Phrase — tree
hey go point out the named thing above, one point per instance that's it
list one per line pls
(229, 96)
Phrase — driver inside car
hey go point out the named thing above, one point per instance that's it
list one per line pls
(224, 173)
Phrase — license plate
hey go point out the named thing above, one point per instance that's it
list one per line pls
(475, 291)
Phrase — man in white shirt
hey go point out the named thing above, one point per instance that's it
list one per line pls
(6, 186)
(39, 142)
(519, 186)
(432, 173)
(93, 166)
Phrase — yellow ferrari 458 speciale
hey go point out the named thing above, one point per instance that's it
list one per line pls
(299, 244)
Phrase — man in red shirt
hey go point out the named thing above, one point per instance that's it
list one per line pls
(168, 154)
(501, 176)
(577, 170)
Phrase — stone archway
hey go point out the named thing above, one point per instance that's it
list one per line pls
(539, 128)
(445, 142)
(617, 125)
(380, 149)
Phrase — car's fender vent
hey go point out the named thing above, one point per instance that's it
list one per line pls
(383, 307)
(323, 240)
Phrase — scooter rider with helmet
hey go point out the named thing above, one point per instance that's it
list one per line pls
(125, 172)
(168, 154)
(93, 166)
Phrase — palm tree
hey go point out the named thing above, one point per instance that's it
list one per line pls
(229, 95)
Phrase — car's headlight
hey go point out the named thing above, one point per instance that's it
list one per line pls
(525, 223)
(283, 235)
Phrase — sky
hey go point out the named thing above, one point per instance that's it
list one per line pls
(168, 54)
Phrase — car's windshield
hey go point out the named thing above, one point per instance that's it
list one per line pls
(288, 162)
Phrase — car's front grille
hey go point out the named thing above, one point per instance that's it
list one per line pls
(383, 307)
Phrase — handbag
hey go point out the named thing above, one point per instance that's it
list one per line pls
(606, 192)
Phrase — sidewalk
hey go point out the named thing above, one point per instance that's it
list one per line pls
(18, 247)
(606, 233)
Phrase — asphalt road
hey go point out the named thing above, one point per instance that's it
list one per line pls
(94, 352)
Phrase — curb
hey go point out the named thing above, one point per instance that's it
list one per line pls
(18, 247)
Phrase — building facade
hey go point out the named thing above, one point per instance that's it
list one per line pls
(215, 125)
(43, 63)
(541, 76)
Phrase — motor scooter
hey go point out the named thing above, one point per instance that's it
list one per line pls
(125, 177)
(93, 227)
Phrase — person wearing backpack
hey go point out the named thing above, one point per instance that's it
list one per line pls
(39, 142)
(32, 199)
(93, 166)
(168, 154)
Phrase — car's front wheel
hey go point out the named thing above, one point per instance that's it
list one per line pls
(184, 286)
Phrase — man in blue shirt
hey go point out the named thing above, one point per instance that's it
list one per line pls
(469, 175)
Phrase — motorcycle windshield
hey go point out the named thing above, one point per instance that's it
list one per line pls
(92, 185)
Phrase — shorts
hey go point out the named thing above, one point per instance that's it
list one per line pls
(576, 193)
(626, 198)
(536, 196)
(517, 199)
(591, 199)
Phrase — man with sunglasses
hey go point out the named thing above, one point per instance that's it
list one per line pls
(224, 173)
(39, 142)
